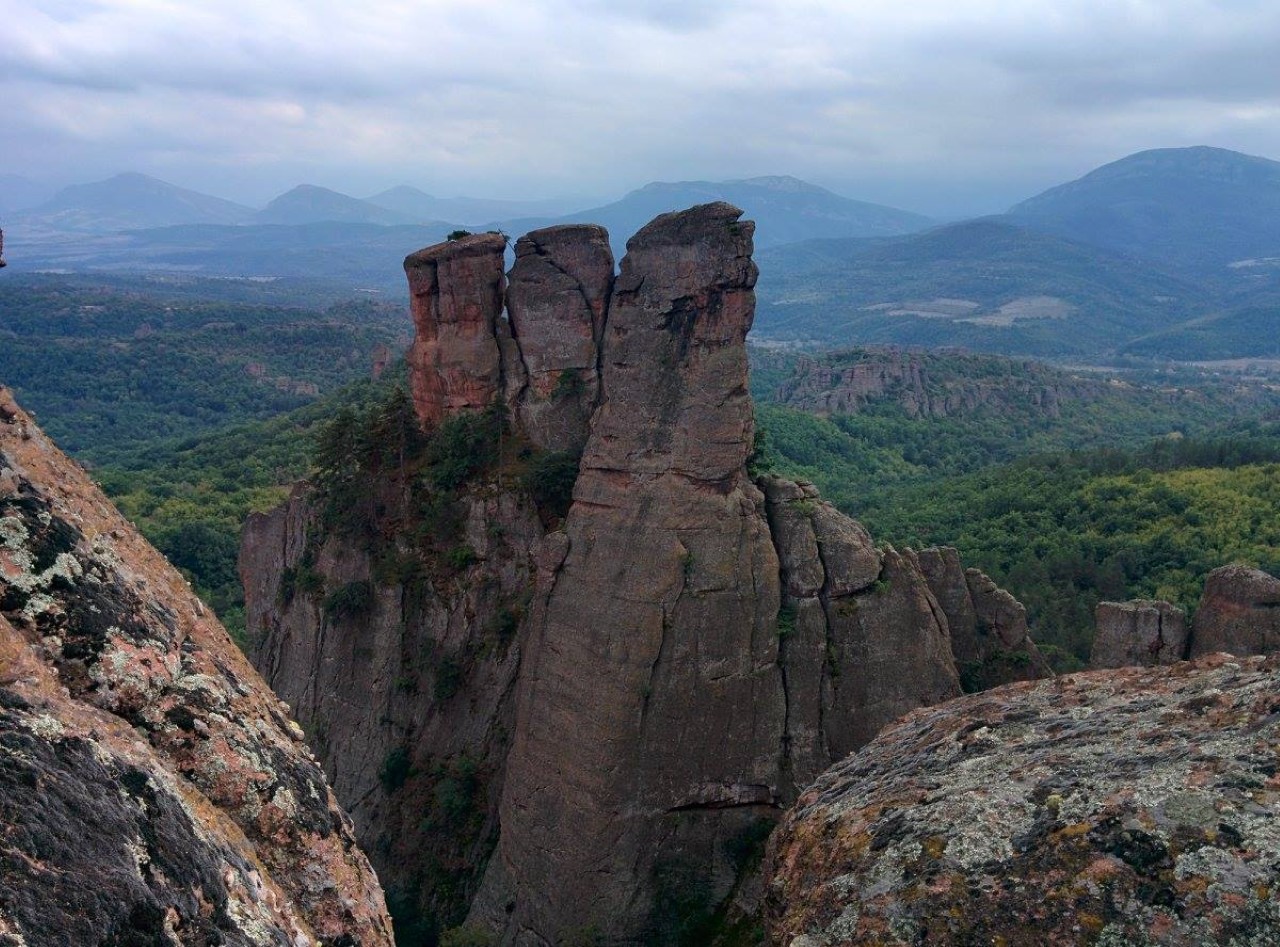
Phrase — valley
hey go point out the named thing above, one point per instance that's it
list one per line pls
(723, 515)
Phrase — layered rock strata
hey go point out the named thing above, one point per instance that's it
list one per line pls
(1137, 806)
(1139, 633)
(153, 789)
(691, 645)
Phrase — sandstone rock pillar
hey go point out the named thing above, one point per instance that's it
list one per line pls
(456, 297)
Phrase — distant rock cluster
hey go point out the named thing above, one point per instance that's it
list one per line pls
(1239, 613)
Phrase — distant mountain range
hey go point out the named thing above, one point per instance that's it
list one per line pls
(131, 202)
(785, 210)
(1153, 254)
(984, 284)
(1198, 207)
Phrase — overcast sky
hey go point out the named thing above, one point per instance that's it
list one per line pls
(941, 106)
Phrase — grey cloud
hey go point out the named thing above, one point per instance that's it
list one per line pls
(984, 100)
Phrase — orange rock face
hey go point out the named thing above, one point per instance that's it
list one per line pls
(456, 296)
(154, 790)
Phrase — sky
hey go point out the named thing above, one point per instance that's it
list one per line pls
(946, 107)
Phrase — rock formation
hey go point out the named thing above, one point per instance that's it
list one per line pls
(153, 789)
(1137, 806)
(681, 652)
(557, 298)
(931, 384)
(455, 294)
(1239, 613)
(990, 640)
(1138, 634)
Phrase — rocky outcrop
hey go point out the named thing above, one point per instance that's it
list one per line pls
(698, 690)
(1140, 633)
(557, 301)
(1239, 613)
(931, 384)
(990, 640)
(455, 295)
(654, 638)
(153, 789)
(408, 694)
(683, 650)
(1117, 807)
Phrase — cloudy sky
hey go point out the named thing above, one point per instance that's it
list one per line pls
(940, 106)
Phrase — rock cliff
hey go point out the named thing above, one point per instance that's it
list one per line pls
(931, 385)
(1137, 806)
(636, 685)
(990, 639)
(153, 789)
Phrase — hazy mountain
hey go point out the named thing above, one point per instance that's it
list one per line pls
(985, 284)
(785, 210)
(422, 207)
(363, 256)
(19, 193)
(132, 201)
(1185, 206)
(308, 204)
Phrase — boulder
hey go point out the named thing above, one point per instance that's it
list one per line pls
(1139, 633)
(1134, 806)
(1239, 613)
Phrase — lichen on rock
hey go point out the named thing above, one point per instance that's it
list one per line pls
(1114, 807)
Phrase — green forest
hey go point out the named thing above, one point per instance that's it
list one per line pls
(1139, 491)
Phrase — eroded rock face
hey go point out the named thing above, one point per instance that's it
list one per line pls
(408, 698)
(456, 296)
(655, 643)
(1137, 806)
(154, 789)
(557, 302)
(1239, 613)
(691, 646)
(927, 385)
(990, 640)
(1140, 633)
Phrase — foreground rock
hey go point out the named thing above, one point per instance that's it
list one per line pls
(153, 790)
(1118, 807)
(1140, 633)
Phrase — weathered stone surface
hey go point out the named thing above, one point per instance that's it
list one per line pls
(656, 647)
(1139, 633)
(153, 789)
(888, 653)
(1239, 613)
(697, 646)
(411, 697)
(1137, 806)
(988, 627)
(557, 299)
(456, 296)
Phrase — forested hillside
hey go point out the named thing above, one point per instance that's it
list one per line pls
(109, 364)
